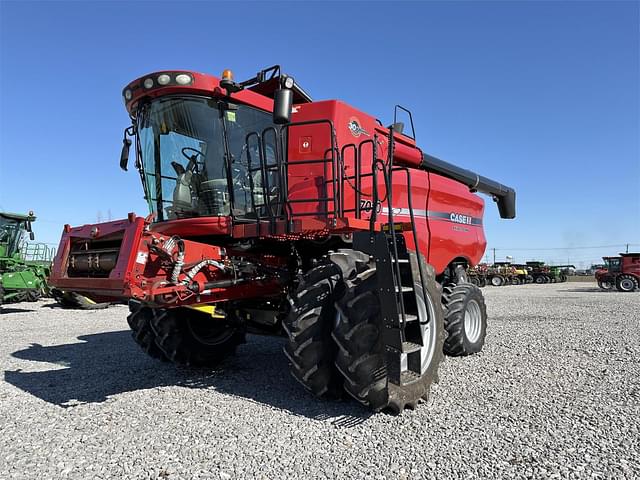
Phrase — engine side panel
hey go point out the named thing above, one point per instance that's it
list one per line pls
(455, 223)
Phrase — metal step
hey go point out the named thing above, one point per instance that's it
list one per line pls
(409, 347)
(408, 317)
(400, 260)
(404, 289)
(408, 377)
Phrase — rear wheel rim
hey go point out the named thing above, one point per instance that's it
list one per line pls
(626, 284)
(472, 321)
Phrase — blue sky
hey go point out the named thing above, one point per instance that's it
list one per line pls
(542, 96)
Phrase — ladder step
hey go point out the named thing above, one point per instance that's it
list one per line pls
(408, 377)
(400, 260)
(409, 347)
(410, 318)
(404, 289)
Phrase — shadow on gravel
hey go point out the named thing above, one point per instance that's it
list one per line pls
(15, 310)
(588, 290)
(106, 364)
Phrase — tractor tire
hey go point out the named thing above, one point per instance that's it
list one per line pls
(465, 320)
(76, 301)
(474, 281)
(33, 295)
(515, 281)
(626, 283)
(563, 278)
(482, 282)
(497, 281)
(529, 279)
(139, 321)
(194, 339)
(605, 284)
(310, 349)
(540, 279)
(1, 296)
(362, 356)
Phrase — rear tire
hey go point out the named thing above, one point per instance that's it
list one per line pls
(140, 322)
(465, 320)
(310, 348)
(515, 281)
(540, 279)
(362, 356)
(482, 282)
(193, 338)
(497, 281)
(626, 283)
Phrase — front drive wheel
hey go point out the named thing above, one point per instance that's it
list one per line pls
(362, 355)
(310, 348)
(139, 321)
(605, 284)
(193, 338)
(626, 283)
(465, 320)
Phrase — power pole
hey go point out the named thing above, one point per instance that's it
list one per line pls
(627, 248)
(494, 255)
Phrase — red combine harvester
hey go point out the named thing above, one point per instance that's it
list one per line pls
(622, 272)
(272, 213)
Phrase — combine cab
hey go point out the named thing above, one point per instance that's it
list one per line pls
(272, 213)
(621, 272)
(24, 267)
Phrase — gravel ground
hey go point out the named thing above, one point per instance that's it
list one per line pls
(554, 394)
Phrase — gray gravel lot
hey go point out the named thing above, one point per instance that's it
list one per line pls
(554, 394)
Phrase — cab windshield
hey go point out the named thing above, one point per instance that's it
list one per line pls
(12, 235)
(195, 157)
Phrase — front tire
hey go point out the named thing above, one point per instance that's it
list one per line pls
(626, 283)
(497, 281)
(362, 355)
(193, 338)
(605, 284)
(139, 321)
(310, 348)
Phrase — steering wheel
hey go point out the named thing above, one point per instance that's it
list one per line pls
(192, 159)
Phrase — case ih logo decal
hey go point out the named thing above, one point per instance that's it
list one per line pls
(355, 128)
(459, 218)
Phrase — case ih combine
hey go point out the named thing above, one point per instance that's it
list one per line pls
(622, 272)
(272, 213)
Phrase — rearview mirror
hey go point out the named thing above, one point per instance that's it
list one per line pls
(282, 105)
(124, 155)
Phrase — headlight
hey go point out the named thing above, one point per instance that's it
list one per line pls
(164, 79)
(183, 79)
(148, 83)
(288, 82)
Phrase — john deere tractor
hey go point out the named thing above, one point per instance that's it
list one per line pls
(24, 268)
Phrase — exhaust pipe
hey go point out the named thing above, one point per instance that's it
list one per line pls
(503, 195)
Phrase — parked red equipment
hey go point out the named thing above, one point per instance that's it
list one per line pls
(272, 213)
(622, 272)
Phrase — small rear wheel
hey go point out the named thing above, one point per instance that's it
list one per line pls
(465, 320)
(626, 283)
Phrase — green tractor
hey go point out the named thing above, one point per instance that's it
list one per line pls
(24, 268)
